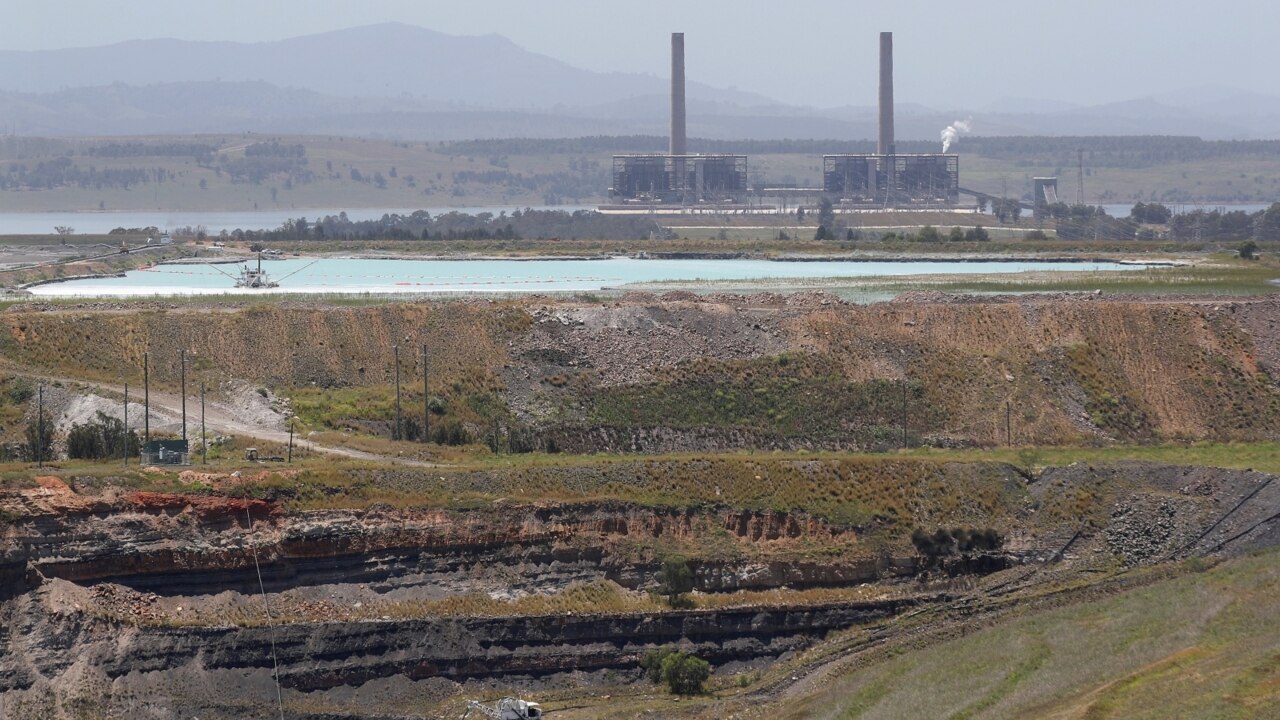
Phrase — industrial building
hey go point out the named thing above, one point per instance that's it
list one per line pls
(891, 180)
(684, 179)
(883, 179)
(679, 178)
(887, 179)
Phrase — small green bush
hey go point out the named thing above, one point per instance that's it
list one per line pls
(685, 674)
(651, 662)
(674, 580)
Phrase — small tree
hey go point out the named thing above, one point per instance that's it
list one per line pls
(684, 673)
(929, 233)
(1248, 250)
(651, 662)
(826, 213)
(39, 436)
(674, 580)
(104, 437)
(977, 234)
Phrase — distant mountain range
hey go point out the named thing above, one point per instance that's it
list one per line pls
(408, 82)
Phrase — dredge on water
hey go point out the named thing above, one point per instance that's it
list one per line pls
(255, 278)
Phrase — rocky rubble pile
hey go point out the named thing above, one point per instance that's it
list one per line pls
(1142, 531)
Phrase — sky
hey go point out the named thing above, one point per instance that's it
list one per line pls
(819, 53)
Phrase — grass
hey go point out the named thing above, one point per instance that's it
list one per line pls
(848, 488)
(789, 395)
(1109, 405)
(883, 495)
(1202, 644)
(798, 480)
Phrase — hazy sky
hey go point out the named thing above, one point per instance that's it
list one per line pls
(811, 52)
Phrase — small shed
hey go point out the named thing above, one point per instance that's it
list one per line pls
(166, 452)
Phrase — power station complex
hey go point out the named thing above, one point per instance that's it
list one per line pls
(879, 180)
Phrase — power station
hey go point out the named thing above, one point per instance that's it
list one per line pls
(880, 180)
(679, 178)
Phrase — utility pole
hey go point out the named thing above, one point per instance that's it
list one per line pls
(904, 412)
(204, 439)
(146, 397)
(396, 435)
(290, 460)
(426, 400)
(40, 428)
(125, 452)
(183, 373)
(1008, 423)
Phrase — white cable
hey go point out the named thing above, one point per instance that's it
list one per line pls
(275, 665)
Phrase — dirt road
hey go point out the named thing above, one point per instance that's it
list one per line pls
(222, 418)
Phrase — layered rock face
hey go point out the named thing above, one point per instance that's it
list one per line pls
(150, 603)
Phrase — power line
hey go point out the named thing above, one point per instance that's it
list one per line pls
(266, 605)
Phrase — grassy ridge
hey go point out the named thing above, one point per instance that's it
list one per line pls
(1059, 373)
(1200, 645)
(789, 395)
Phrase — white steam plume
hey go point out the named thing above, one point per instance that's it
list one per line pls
(952, 132)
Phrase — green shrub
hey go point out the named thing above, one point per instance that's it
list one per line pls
(977, 234)
(451, 432)
(20, 390)
(651, 662)
(684, 673)
(674, 580)
(101, 438)
(929, 234)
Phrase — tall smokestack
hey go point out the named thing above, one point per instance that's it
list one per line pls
(886, 93)
(677, 94)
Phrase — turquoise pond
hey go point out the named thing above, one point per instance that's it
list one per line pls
(359, 276)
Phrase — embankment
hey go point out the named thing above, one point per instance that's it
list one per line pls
(677, 373)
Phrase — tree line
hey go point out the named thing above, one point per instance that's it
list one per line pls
(1228, 225)
(62, 172)
(421, 225)
(200, 152)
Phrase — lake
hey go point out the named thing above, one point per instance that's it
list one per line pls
(351, 275)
